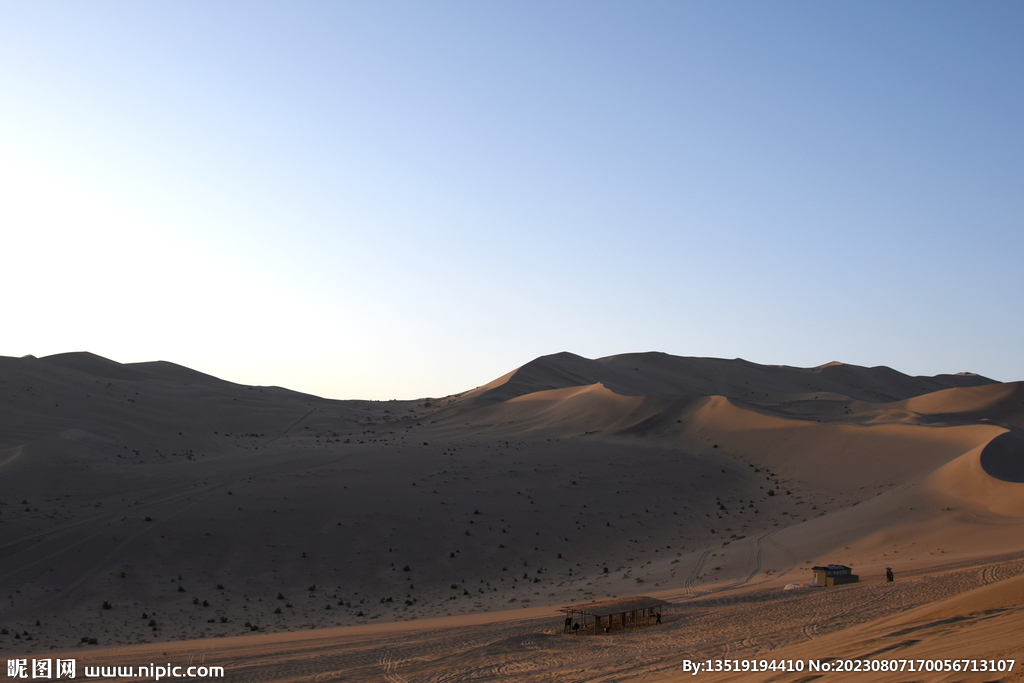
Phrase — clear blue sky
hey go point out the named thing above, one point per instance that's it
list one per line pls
(395, 200)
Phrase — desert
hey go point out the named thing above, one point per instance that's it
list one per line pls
(428, 342)
(150, 512)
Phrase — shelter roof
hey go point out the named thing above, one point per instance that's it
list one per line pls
(615, 605)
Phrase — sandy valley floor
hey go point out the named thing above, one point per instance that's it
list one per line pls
(969, 611)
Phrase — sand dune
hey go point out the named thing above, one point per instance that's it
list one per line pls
(999, 403)
(220, 510)
(995, 488)
(655, 374)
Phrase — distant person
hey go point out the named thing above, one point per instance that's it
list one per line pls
(576, 629)
(888, 574)
(657, 618)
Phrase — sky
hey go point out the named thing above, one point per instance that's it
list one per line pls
(407, 199)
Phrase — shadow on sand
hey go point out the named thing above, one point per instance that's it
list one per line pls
(1003, 457)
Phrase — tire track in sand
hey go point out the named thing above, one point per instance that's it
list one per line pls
(387, 660)
(690, 583)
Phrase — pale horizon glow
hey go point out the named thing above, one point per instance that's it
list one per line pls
(401, 200)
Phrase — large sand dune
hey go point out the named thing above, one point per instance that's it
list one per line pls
(218, 510)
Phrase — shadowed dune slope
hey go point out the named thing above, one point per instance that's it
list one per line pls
(150, 371)
(1003, 457)
(91, 395)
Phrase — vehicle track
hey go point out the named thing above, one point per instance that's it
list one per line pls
(387, 660)
(758, 565)
(289, 427)
(990, 574)
(192, 658)
(698, 567)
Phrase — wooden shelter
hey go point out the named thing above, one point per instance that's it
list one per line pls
(834, 575)
(616, 614)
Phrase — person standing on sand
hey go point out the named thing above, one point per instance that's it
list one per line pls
(888, 574)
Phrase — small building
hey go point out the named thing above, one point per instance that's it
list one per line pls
(616, 614)
(834, 575)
